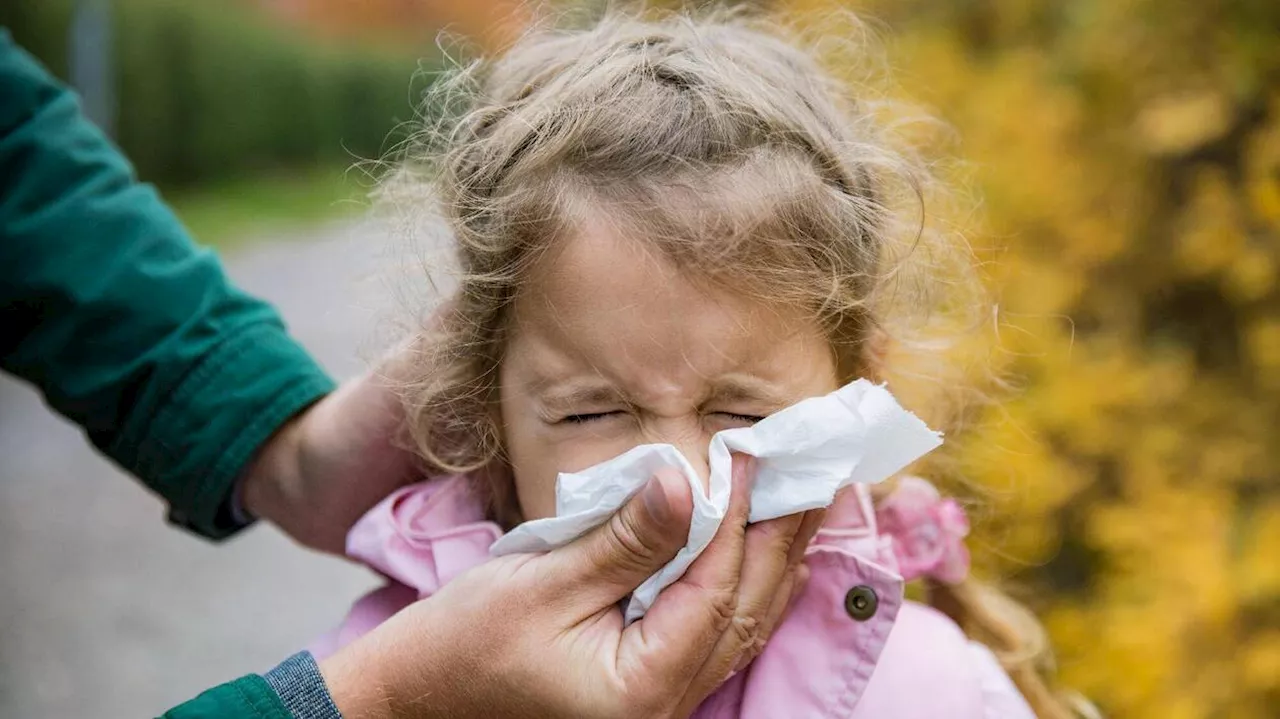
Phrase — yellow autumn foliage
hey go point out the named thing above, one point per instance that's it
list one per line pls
(1127, 153)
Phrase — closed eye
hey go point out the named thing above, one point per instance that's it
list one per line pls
(589, 417)
(748, 418)
(595, 416)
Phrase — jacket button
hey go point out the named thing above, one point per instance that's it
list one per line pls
(861, 603)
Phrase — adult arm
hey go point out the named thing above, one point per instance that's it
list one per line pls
(126, 326)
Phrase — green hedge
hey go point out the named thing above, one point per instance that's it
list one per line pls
(210, 90)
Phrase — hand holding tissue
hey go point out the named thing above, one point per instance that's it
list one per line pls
(805, 454)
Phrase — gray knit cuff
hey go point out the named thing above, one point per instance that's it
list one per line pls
(301, 688)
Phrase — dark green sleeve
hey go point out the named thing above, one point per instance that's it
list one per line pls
(127, 327)
(248, 697)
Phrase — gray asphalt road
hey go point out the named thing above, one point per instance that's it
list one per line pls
(106, 611)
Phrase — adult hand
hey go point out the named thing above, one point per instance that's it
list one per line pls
(329, 465)
(542, 635)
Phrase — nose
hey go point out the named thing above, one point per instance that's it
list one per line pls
(691, 439)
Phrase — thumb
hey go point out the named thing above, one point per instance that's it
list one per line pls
(610, 561)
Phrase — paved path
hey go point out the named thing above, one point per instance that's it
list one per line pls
(105, 611)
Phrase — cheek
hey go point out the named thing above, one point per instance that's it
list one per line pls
(538, 458)
(537, 453)
(534, 475)
(536, 492)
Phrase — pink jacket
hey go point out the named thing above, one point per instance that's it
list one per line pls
(850, 648)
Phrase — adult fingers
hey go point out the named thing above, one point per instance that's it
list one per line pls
(792, 585)
(682, 628)
(609, 562)
(794, 577)
(764, 573)
(772, 552)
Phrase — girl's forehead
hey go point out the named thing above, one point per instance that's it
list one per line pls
(597, 281)
(607, 305)
(595, 256)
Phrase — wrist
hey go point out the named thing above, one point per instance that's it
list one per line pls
(356, 686)
(407, 666)
(269, 483)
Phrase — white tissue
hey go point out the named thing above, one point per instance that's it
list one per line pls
(805, 454)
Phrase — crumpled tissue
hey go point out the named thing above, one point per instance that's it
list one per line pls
(805, 454)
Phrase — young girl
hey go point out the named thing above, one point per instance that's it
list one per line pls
(667, 229)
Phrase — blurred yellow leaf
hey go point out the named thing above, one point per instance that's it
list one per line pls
(1175, 125)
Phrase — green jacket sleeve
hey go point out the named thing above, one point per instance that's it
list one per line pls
(127, 327)
(248, 697)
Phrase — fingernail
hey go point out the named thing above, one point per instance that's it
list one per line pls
(656, 502)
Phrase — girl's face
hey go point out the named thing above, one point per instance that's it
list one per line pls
(613, 348)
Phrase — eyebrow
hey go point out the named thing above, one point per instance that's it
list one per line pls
(728, 390)
(749, 389)
(564, 400)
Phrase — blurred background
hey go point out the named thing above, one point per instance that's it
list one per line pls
(1127, 154)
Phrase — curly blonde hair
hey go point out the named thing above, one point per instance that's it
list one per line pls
(731, 152)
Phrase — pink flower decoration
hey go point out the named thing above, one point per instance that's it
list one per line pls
(926, 532)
